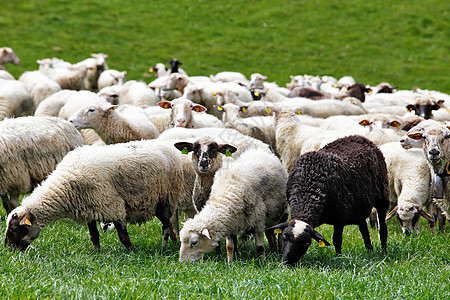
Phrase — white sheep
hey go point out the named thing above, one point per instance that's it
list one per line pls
(137, 93)
(31, 149)
(51, 105)
(248, 195)
(95, 65)
(111, 93)
(228, 76)
(71, 78)
(47, 63)
(39, 85)
(15, 99)
(115, 124)
(409, 185)
(187, 114)
(7, 56)
(123, 183)
(6, 75)
(160, 70)
(111, 77)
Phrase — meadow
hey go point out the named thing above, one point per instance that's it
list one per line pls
(405, 43)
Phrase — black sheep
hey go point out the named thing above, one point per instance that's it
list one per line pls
(337, 185)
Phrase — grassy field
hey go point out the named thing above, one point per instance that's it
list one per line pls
(404, 42)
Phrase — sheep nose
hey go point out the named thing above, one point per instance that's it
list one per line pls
(434, 152)
(71, 121)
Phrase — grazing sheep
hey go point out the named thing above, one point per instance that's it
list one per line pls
(183, 116)
(31, 149)
(7, 56)
(15, 99)
(137, 93)
(111, 77)
(121, 183)
(246, 196)
(115, 124)
(409, 186)
(39, 85)
(337, 185)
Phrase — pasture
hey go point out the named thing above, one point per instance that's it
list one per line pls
(404, 43)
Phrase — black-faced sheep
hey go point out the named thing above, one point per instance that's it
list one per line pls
(338, 185)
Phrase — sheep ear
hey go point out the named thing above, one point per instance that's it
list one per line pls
(395, 124)
(319, 238)
(205, 232)
(184, 146)
(410, 107)
(165, 104)
(113, 107)
(27, 219)
(198, 108)
(227, 149)
(279, 227)
(392, 213)
(415, 136)
(424, 214)
(4, 50)
(364, 123)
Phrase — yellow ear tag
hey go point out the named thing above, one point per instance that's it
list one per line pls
(228, 153)
(244, 110)
(409, 109)
(256, 94)
(219, 108)
(185, 150)
(299, 112)
(278, 230)
(321, 243)
(27, 222)
(214, 94)
(150, 70)
(269, 110)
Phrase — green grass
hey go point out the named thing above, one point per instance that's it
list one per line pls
(404, 42)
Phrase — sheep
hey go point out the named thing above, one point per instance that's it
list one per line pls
(383, 88)
(31, 149)
(409, 139)
(247, 196)
(337, 185)
(175, 66)
(95, 65)
(409, 186)
(71, 78)
(111, 77)
(6, 75)
(424, 107)
(160, 70)
(15, 99)
(436, 150)
(110, 93)
(137, 93)
(183, 116)
(247, 126)
(51, 105)
(120, 183)
(115, 124)
(228, 76)
(39, 85)
(7, 56)
(346, 80)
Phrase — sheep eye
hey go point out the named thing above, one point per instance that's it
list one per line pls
(194, 243)
(91, 109)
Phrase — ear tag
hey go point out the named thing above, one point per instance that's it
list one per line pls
(415, 136)
(228, 153)
(321, 243)
(244, 110)
(27, 222)
(219, 109)
(409, 109)
(185, 150)
(278, 230)
(299, 112)
(214, 94)
(269, 110)
(150, 70)
(256, 94)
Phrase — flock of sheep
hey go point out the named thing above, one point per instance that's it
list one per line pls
(237, 157)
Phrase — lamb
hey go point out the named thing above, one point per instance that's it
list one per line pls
(39, 85)
(111, 77)
(119, 183)
(15, 99)
(115, 124)
(337, 185)
(183, 116)
(409, 186)
(7, 56)
(137, 93)
(436, 149)
(31, 149)
(246, 196)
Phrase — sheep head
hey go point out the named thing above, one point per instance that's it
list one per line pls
(297, 237)
(194, 243)
(21, 230)
(408, 214)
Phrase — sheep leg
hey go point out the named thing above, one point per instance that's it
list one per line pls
(6, 205)
(259, 238)
(280, 243)
(230, 248)
(123, 234)
(164, 214)
(10, 203)
(93, 232)
(270, 235)
(383, 232)
(365, 235)
(337, 238)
